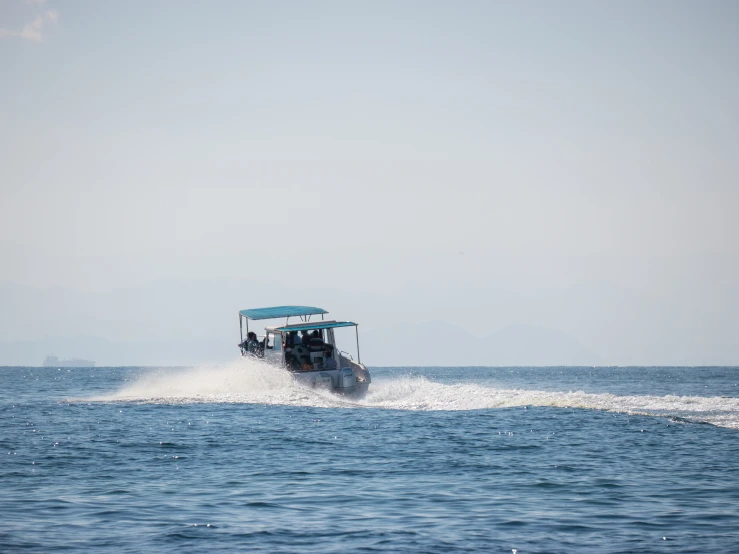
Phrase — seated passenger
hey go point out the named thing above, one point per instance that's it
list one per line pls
(315, 342)
(244, 344)
(253, 346)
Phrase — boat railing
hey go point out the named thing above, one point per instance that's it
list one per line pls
(346, 355)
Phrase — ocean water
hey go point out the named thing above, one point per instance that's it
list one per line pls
(239, 458)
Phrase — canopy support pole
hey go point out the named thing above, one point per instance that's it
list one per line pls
(356, 332)
(241, 329)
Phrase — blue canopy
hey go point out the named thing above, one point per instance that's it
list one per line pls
(281, 311)
(316, 325)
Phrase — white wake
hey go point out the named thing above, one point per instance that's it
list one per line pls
(254, 382)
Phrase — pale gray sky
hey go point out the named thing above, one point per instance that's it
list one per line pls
(483, 163)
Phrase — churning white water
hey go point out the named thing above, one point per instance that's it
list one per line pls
(255, 382)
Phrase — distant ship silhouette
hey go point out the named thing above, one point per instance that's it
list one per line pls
(53, 361)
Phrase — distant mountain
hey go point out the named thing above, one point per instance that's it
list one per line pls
(442, 344)
(178, 321)
(432, 343)
(107, 352)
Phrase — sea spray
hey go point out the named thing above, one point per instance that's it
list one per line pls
(245, 380)
(419, 393)
(251, 381)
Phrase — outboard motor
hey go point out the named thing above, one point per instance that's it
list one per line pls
(347, 381)
(323, 381)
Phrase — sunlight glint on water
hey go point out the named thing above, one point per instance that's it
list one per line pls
(239, 458)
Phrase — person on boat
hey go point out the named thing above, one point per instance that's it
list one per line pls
(329, 362)
(314, 341)
(244, 345)
(251, 344)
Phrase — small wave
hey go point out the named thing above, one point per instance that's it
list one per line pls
(255, 382)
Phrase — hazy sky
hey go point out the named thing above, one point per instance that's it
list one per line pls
(457, 153)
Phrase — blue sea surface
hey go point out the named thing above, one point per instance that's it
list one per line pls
(239, 458)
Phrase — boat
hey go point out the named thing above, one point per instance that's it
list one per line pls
(306, 349)
(54, 361)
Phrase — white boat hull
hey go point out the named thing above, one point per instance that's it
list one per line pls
(352, 379)
(348, 381)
